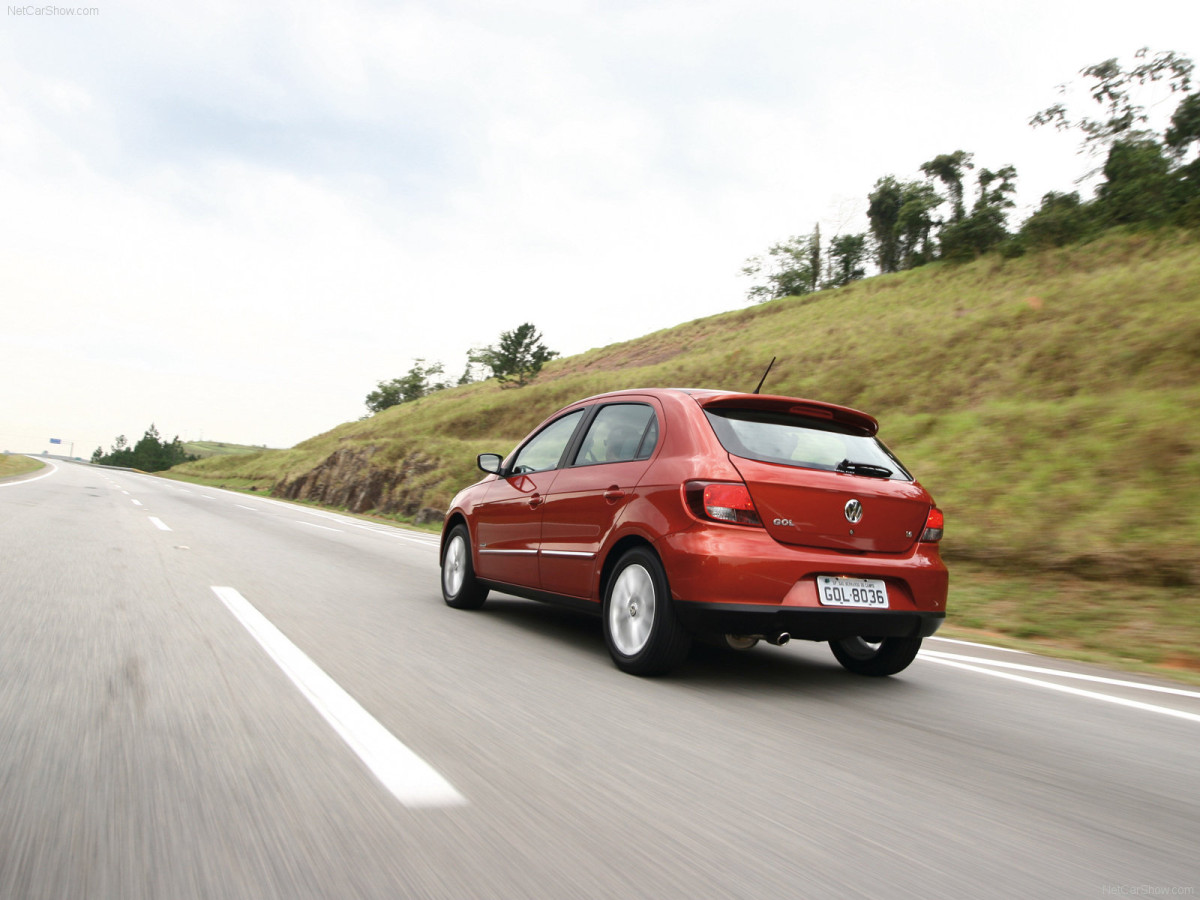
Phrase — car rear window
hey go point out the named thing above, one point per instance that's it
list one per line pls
(801, 441)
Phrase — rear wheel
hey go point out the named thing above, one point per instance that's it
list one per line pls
(885, 656)
(459, 587)
(640, 628)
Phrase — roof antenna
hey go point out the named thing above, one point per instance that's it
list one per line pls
(764, 378)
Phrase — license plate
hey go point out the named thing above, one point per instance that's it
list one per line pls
(864, 592)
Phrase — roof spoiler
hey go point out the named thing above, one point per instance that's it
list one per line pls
(813, 409)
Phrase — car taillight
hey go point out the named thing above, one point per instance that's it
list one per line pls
(722, 502)
(934, 525)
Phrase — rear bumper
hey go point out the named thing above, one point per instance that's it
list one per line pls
(805, 623)
(731, 580)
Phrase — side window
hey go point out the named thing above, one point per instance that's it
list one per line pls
(545, 448)
(619, 433)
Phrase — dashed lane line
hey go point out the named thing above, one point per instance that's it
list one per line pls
(315, 525)
(410, 779)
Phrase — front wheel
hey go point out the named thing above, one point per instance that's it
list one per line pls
(640, 628)
(879, 657)
(459, 587)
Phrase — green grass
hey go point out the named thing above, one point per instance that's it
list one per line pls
(1048, 403)
(204, 449)
(11, 464)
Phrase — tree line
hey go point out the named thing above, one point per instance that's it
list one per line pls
(514, 361)
(1150, 179)
(150, 454)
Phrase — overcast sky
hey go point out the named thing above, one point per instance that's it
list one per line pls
(232, 219)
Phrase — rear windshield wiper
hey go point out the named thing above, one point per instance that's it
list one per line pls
(860, 468)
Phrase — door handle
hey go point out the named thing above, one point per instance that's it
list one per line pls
(613, 494)
(536, 500)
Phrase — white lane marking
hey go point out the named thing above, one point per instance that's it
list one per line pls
(393, 533)
(1077, 692)
(53, 469)
(423, 541)
(136, 502)
(160, 524)
(430, 541)
(315, 525)
(975, 644)
(410, 779)
(1042, 670)
(413, 537)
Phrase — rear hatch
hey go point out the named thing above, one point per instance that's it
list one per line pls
(817, 474)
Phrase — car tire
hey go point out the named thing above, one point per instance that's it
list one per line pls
(884, 657)
(460, 589)
(640, 628)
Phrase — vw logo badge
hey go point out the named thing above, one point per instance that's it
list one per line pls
(853, 512)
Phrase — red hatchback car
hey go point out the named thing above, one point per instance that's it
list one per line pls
(696, 513)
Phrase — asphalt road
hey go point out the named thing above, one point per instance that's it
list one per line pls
(209, 695)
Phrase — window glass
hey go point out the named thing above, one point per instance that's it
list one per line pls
(545, 449)
(620, 432)
(780, 437)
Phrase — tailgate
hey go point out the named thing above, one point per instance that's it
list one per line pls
(808, 507)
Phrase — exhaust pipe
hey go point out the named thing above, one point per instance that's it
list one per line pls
(746, 641)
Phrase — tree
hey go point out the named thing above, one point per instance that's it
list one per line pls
(1184, 129)
(467, 377)
(846, 254)
(1148, 178)
(985, 228)
(1060, 220)
(791, 268)
(413, 386)
(901, 218)
(948, 169)
(1138, 185)
(1111, 88)
(150, 454)
(517, 359)
(883, 212)
(915, 223)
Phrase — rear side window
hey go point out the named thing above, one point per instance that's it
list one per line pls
(792, 440)
(621, 432)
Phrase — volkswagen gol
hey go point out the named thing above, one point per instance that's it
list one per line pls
(678, 514)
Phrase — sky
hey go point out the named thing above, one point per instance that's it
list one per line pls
(232, 220)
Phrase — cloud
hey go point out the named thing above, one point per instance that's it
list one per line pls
(237, 218)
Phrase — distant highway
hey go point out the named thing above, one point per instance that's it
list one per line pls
(205, 694)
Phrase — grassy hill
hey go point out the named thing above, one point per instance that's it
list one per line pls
(1048, 402)
(205, 449)
(12, 465)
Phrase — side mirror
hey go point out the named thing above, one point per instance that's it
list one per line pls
(490, 462)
